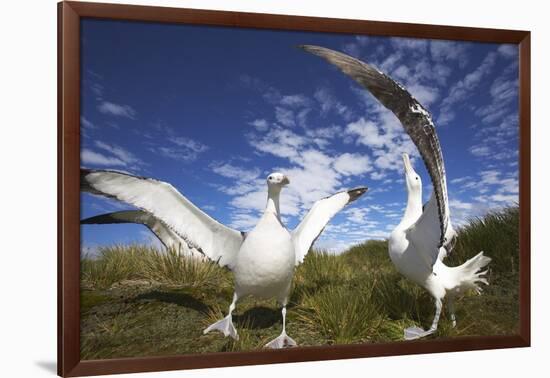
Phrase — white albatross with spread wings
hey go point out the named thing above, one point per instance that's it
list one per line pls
(262, 260)
(423, 238)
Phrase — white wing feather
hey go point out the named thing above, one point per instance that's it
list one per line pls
(425, 234)
(166, 236)
(317, 218)
(209, 237)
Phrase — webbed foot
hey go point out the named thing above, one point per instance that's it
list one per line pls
(282, 341)
(413, 333)
(225, 326)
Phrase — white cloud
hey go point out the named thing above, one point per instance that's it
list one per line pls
(504, 90)
(88, 156)
(174, 153)
(390, 62)
(254, 200)
(357, 214)
(354, 48)
(85, 123)
(480, 151)
(279, 142)
(285, 116)
(367, 133)
(378, 175)
(260, 124)
(295, 101)
(460, 89)
(243, 221)
(111, 108)
(185, 149)
(387, 141)
(113, 155)
(418, 45)
(459, 205)
(328, 102)
(124, 155)
(234, 172)
(509, 198)
(426, 95)
(459, 180)
(442, 51)
(508, 51)
(352, 164)
(190, 144)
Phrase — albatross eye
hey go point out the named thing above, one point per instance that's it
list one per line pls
(270, 178)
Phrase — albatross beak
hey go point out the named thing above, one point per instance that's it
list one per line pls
(407, 163)
(285, 181)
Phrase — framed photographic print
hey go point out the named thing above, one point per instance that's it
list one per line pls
(239, 188)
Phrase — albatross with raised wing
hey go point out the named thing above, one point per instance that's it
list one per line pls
(419, 243)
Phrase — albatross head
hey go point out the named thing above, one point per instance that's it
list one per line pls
(277, 180)
(414, 183)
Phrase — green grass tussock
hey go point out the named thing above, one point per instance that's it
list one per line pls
(118, 263)
(112, 265)
(171, 269)
(138, 301)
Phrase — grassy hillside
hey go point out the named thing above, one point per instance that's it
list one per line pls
(137, 301)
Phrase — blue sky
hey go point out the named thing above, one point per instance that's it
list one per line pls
(214, 110)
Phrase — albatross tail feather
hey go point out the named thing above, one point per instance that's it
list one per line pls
(471, 275)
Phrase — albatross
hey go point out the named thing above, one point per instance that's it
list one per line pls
(262, 260)
(418, 245)
(411, 248)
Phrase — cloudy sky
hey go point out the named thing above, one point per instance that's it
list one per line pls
(214, 110)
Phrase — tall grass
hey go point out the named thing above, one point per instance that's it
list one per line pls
(357, 296)
(320, 269)
(121, 263)
(172, 269)
(112, 264)
(341, 314)
(497, 234)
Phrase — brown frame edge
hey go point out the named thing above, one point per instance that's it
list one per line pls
(69, 14)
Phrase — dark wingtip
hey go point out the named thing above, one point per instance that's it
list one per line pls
(84, 186)
(107, 218)
(356, 193)
(98, 219)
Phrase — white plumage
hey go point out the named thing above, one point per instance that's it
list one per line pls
(413, 248)
(262, 260)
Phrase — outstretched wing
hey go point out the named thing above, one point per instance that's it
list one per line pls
(416, 120)
(424, 234)
(166, 236)
(317, 218)
(199, 231)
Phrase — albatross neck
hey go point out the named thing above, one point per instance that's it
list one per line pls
(273, 201)
(413, 210)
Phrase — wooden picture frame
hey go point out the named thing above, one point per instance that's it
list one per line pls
(69, 16)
